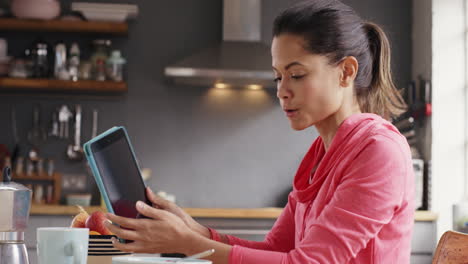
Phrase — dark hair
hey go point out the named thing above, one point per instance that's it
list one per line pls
(333, 29)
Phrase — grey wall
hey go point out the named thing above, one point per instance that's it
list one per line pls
(211, 148)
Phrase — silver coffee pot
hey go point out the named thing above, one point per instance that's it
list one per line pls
(15, 203)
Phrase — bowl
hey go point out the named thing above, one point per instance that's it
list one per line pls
(83, 199)
(35, 9)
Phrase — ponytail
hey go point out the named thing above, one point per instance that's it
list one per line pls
(381, 97)
(333, 29)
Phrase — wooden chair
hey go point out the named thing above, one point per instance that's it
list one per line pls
(452, 249)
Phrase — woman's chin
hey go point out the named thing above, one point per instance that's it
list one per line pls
(298, 127)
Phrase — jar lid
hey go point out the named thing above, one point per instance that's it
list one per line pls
(116, 58)
(8, 185)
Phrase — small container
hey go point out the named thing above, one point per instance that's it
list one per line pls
(83, 199)
(38, 194)
(115, 65)
(99, 57)
(74, 63)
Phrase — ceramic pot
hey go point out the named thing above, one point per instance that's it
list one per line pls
(35, 9)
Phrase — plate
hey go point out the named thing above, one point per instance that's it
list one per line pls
(155, 260)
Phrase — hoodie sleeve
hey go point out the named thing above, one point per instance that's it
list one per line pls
(281, 236)
(370, 191)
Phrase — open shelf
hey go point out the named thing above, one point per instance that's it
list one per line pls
(51, 85)
(14, 24)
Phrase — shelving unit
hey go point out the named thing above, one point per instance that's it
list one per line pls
(51, 85)
(44, 180)
(70, 26)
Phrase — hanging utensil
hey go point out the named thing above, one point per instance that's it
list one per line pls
(74, 151)
(95, 124)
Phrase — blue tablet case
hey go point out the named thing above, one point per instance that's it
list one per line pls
(93, 166)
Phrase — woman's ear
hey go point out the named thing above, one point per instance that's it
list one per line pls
(349, 68)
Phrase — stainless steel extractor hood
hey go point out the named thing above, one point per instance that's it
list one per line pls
(239, 60)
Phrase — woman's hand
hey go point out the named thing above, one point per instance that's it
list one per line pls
(171, 207)
(163, 232)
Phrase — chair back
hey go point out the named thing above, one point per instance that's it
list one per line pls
(452, 249)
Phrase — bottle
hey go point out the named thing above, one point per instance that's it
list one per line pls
(60, 66)
(74, 62)
(115, 66)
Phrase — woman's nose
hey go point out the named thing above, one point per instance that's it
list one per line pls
(282, 91)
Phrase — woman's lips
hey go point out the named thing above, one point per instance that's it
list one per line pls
(291, 112)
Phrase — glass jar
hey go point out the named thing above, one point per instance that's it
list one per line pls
(115, 65)
(98, 58)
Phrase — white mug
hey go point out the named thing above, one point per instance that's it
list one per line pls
(62, 245)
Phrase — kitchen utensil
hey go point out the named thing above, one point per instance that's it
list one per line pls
(63, 116)
(95, 124)
(14, 214)
(35, 9)
(54, 127)
(74, 151)
(409, 134)
(37, 134)
(405, 124)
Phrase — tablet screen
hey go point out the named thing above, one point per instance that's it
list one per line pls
(119, 172)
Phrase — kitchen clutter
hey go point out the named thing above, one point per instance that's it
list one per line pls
(106, 11)
(64, 62)
(51, 9)
(35, 166)
(414, 125)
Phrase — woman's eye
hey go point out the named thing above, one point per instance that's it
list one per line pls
(297, 77)
(277, 79)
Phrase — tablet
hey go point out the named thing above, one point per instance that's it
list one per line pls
(114, 165)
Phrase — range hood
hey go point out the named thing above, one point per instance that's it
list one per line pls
(239, 60)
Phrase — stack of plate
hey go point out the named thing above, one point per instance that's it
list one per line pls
(106, 12)
(101, 250)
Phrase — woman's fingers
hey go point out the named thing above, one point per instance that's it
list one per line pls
(122, 233)
(151, 212)
(123, 221)
(133, 247)
(157, 200)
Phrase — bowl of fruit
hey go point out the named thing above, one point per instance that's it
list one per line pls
(100, 248)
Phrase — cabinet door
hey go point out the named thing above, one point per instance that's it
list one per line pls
(424, 238)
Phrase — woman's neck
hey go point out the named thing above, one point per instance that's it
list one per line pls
(327, 128)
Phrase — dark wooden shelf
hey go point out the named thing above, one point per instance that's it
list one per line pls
(72, 26)
(51, 85)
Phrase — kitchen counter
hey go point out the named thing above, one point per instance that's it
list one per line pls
(254, 213)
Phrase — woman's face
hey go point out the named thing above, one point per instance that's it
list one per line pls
(308, 87)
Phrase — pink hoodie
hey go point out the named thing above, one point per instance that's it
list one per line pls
(358, 208)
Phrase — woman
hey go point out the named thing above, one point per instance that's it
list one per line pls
(352, 200)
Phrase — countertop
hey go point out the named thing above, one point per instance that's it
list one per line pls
(264, 213)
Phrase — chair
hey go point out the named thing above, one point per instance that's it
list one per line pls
(452, 249)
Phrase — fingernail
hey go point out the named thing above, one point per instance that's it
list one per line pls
(108, 222)
(140, 205)
(113, 240)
